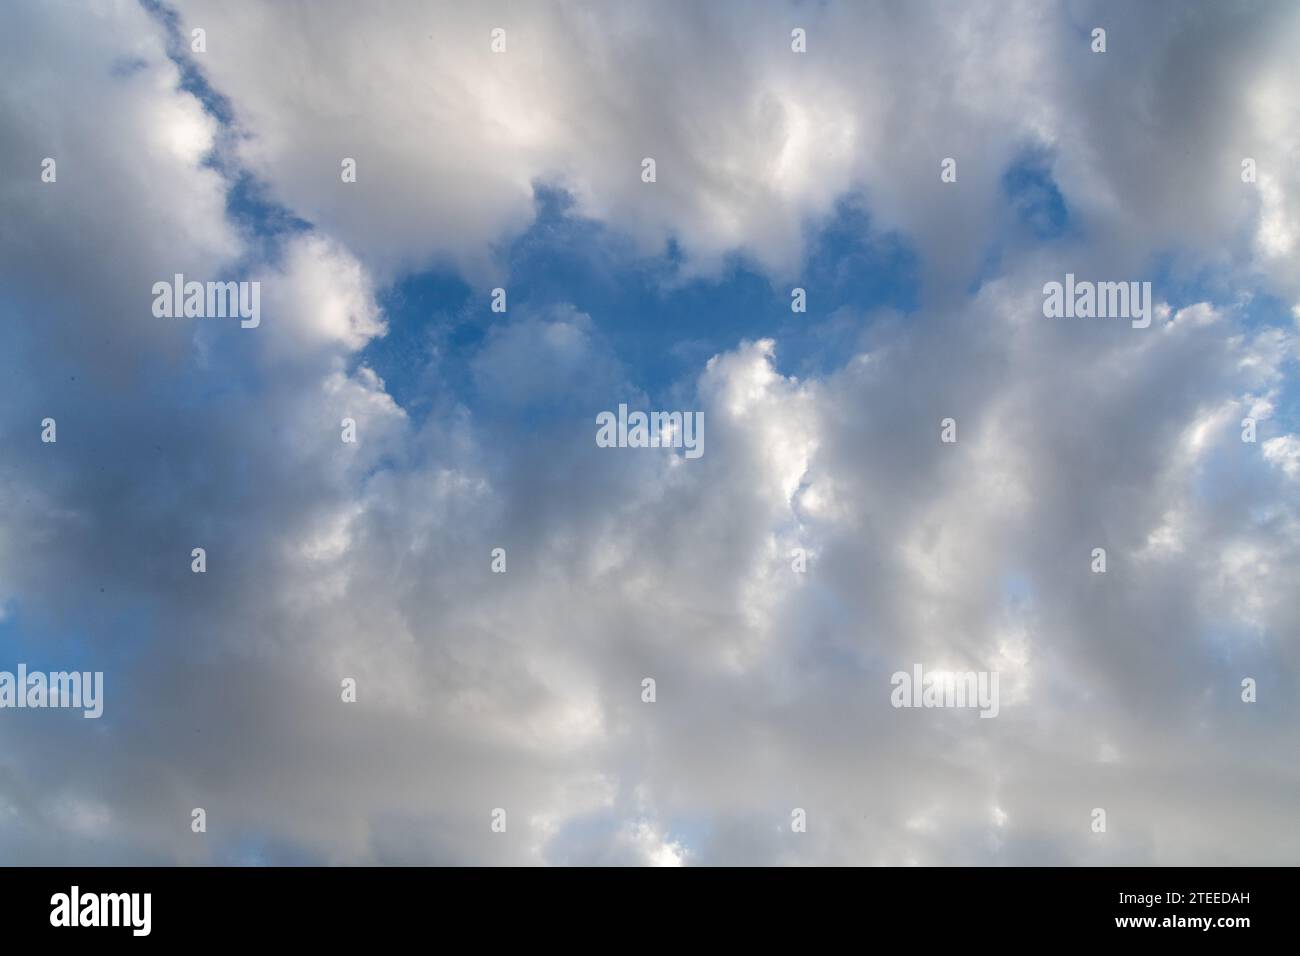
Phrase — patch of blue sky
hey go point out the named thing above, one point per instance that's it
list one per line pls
(1252, 310)
(178, 51)
(121, 625)
(1035, 198)
(1036, 211)
(659, 323)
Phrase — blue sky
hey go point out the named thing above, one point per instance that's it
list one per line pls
(659, 323)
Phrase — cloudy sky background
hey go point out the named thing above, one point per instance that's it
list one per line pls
(476, 430)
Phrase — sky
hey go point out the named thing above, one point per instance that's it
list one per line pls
(371, 562)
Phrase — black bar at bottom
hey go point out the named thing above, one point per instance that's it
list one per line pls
(306, 905)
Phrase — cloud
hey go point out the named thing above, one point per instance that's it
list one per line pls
(755, 143)
(372, 560)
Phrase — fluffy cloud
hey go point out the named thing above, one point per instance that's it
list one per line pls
(754, 143)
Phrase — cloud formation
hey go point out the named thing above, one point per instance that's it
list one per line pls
(523, 691)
